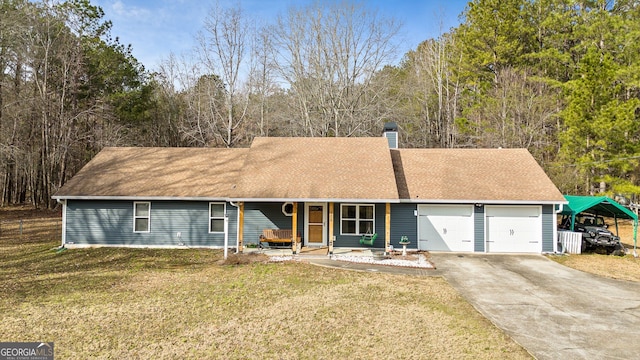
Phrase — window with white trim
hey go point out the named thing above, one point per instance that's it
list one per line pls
(357, 219)
(141, 217)
(216, 217)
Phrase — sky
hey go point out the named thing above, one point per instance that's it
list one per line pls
(155, 28)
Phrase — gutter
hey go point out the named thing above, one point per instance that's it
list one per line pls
(336, 200)
(141, 198)
(63, 202)
(483, 202)
(226, 233)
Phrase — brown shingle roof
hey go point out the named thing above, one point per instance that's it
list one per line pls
(157, 172)
(318, 168)
(472, 175)
(315, 168)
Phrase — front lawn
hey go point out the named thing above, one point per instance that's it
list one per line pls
(124, 303)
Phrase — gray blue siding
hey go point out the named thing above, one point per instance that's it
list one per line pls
(111, 223)
(259, 216)
(404, 222)
(392, 138)
(548, 223)
(90, 222)
(353, 241)
(478, 228)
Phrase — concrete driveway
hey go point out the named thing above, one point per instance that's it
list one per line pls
(552, 311)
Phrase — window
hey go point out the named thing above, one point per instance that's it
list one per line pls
(216, 217)
(357, 219)
(141, 216)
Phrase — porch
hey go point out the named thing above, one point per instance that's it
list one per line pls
(316, 225)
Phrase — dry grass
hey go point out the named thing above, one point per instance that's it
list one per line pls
(139, 304)
(625, 231)
(616, 267)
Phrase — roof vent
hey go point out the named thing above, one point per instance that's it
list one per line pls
(391, 133)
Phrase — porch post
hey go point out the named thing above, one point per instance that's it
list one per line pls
(240, 226)
(635, 242)
(294, 228)
(387, 228)
(330, 228)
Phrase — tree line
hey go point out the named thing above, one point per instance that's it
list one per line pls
(558, 77)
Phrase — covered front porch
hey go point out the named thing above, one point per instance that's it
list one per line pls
(313, 225)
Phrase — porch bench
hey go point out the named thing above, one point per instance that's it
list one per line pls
(276, 237)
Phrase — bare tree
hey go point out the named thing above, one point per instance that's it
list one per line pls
(520, 111)
(53, 110)
(223, 53)
(328, 55)
(13, 26)
(262, 79)
(54, 58)
(193, 104)
(432, 83)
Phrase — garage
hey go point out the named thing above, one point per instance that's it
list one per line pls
(445, 227)
(513, 229)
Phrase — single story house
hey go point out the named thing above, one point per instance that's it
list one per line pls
(319, 191)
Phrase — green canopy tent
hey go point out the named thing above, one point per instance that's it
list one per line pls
(602, 206)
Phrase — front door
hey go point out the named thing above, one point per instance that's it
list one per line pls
(316, 218)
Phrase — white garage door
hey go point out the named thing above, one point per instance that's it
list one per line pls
(445, 227)
(512, 229)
